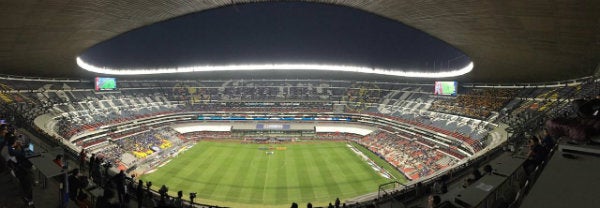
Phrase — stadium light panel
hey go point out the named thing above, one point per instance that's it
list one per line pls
(250, 67)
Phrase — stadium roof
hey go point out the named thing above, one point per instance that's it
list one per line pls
(509, 41)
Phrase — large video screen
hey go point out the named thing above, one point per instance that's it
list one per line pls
(105, 83)
(445, 88)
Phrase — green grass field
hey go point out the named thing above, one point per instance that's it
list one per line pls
(241, 175)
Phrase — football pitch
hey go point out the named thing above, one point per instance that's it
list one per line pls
(252, 175)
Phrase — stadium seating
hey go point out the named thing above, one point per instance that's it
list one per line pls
(429, 133)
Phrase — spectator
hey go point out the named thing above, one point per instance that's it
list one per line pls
(3, 132)
(163, 191)
(83, 201)
(547, 141)
(294, 205)
(9, 137)
(92, 163)
(58, 160)
(149, 201)
(337, 202)
(82, 156)
(468, 182)
(444, 180)
(119, 181)
(488, 169)
(75, 184)
(179, 200)
(309, 205)
(9, 140)
(476, 174)
(139, 193)
(104, 200)
(96, 173)
(22, 170)
(536, 155)
(433, 201)
(438, 186)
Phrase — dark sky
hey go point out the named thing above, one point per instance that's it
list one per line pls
(277, 32)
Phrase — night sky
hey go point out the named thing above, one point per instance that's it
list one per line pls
(277, 32)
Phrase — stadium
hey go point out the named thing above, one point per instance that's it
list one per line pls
(316, 104)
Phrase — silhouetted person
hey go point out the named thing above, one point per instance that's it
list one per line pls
(444, 180)
(119, 181)
(433, 201)
(10, 138)
(82, 156)
(3, 132)
(104, 200)
(419, 190)
(139, 193)
(337, 202)
(74, 184)
(83, 201)
(22, 169)
(547, 141)
(163, 194)
(536, 155)
(468, 182)
(476, 174)
(330, 205)
(58, 160)
(488, 169)
(179, 200)
(96, 172)
(92, 164)
(294, 205)
(437, 186)
(309, 205)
